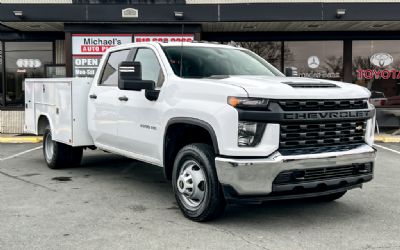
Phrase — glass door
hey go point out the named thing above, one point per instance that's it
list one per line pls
(24, 60)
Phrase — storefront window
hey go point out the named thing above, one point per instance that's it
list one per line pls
(315, 59)
(24, 60)
(129, 1)
(376, 66)
(270, 51)
(1, 75)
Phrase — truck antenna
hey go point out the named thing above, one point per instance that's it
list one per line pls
(181, 60)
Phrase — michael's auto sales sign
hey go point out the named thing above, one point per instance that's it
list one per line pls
(87, 50)
(92, 44)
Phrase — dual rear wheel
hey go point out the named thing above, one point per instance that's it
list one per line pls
(59, 155)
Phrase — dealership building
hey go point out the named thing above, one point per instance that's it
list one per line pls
(355, 41)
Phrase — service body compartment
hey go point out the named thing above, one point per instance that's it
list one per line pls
(64, 102)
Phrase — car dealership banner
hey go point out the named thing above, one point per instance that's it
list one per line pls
(87, 50)
(165, 38)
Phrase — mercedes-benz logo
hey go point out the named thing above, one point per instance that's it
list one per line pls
(313, 62)
(381, 59)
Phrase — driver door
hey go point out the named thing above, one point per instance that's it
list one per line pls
(103, 105)
(139, 118)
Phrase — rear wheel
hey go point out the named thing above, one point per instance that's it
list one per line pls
(59, 155)
(195, 183)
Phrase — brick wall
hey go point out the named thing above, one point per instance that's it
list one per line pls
(12, 122)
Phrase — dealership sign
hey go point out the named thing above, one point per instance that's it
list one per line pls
(90, 44)
(87, 50)
(164, 38)
(380, 61)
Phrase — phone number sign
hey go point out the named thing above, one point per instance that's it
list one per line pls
(164, 38)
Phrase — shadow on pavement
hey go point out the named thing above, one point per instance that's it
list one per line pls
(149, 180)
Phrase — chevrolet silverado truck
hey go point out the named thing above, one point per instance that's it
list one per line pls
(225, 125)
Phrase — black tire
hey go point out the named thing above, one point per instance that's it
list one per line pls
(213, 203)
(329, 197)
(62, 155)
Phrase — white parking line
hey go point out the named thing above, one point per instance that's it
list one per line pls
(24, 152)
(389, 149)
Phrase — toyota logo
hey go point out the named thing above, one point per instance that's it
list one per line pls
(381, 59)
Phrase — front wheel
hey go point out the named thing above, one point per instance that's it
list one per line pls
(59, 155)
(195, 183)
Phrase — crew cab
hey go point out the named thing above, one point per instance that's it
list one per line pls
(224, 124)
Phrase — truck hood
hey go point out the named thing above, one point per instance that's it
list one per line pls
(296, 87)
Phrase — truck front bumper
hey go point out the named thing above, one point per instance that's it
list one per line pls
(253, 179)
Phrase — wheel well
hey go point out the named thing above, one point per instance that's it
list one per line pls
(43, 123)
(179, 135)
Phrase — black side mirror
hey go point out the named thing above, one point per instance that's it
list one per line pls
(130, 77)
(291, 72)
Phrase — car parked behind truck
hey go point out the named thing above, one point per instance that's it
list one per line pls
(223, 123)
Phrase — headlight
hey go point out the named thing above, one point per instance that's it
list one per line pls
(248, 103)
(250, 133)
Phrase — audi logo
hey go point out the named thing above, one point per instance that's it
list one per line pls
(29, 63)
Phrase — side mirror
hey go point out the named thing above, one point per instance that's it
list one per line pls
(130, 77)
(291, 72)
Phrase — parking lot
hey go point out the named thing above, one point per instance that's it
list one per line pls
(112, 202)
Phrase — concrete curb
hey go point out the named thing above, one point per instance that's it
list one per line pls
(21, 139)
(387, 138)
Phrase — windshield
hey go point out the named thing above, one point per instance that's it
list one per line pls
(203, 62)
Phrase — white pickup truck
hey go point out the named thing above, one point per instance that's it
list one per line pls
(224, 124)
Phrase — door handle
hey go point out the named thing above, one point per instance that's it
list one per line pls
(93, 96)
(123, 98)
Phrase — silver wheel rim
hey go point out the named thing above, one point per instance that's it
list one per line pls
(49, 147)
(191, 184)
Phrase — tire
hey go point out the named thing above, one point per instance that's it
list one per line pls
(194, 167)
(58, 155)
(329, 197)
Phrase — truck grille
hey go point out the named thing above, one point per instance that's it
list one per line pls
(318, 174)
(314, 105)
(304, 135)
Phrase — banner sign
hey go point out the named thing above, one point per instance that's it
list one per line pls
(381, 68)
(92, 44)
(87, 50)
(164, 38)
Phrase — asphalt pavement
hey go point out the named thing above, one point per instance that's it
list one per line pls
(111, 202)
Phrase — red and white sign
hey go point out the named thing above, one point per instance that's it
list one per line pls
(381, 61)
(165, 38)
(378, 74)
(97, 44)
(87, 50)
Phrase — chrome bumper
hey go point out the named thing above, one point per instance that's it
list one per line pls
(255, 176)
